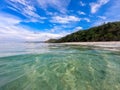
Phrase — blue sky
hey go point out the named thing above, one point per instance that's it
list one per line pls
(39, 20)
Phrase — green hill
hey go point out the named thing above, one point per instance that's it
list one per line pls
(51, 41)
(105, 32)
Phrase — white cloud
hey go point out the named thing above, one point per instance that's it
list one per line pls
(26, 8)
(65, 19)
(10, 31)
(56, 4)
(81, 13)
(86, 19)
(102, 17)
(60, 29)
(19, 1)
(78, 28)
(82, 4)
(51, 13)
(96, 5)
(112, 13)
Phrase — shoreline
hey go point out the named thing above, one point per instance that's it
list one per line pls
(111, 45)
(93, 43)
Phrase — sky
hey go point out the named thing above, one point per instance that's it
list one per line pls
(40, 20)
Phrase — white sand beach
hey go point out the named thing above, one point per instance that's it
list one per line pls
(113, 45)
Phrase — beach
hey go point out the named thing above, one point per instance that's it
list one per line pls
(113, 45)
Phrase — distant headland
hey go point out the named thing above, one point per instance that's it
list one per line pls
(106, 32)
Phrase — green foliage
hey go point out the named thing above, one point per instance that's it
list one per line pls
(50, 40)
(105, 32)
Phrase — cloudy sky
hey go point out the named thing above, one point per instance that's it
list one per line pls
(39, 20)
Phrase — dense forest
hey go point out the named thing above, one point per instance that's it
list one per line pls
(105, 32)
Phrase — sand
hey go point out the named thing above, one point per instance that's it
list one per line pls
(114, 45)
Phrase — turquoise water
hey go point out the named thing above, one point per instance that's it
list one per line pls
(35, 66)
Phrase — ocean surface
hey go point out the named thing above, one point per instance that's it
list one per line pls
(39, 66)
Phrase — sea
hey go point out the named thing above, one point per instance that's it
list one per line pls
(47, 66)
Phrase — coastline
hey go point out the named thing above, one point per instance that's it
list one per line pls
(111, 45)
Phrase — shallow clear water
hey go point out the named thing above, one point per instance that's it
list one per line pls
(35, 66)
